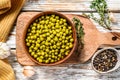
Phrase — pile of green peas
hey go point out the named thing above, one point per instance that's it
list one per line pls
(49, 38)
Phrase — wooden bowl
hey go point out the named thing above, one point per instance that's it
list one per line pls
(74, 37)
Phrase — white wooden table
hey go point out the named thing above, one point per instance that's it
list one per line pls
(67, 72)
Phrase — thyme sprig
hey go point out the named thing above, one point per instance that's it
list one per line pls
(79, 31)
(104, 18)
(101, 7)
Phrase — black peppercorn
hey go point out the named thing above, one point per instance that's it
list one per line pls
(105, 60)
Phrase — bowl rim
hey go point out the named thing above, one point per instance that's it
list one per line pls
(46, 13)
(111, 70)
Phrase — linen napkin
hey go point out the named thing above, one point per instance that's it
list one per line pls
(5, 5)
(9, 10)
(6, 72)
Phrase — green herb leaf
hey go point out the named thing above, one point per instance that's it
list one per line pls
(101, 7)
(80, 31)
(104, 20)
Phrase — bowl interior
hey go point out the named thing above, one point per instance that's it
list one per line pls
(60, 15)
(114, 68)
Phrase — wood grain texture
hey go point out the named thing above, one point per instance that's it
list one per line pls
(66, 5)
(92, 39)
(66, 72)
(71, 71)
(6, 69)
(116, 28)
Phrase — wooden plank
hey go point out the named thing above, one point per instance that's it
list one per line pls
(66, 5)
(69, 72)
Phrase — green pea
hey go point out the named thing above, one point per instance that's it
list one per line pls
(66, 41)
(46, 55)
(52, 60)
(33, 31)
(58, 47)
(67, 32)
(33, 28)
(69, 27)
(46, 61)
(71, 40)
(65, 24)
(32, 53)
(63, 37)
(28, 44)
(47, 17)
(35, 56)
(48, 38)
(62, 57)
(34, 24)
(58, 44)
(60, 22)
(41, 57)
(67, 47)
(64, 20)
(37, 34)
(56, 53)
(37, 59)
(47, 34)
(46, 22)
(33, 41)
(38, 50)
(42, 17)
(63, 46)
(51, 41)
(57, 24)
(54, 32)
(42, 53)
(60, 39)
(56, 17)
(49, 58)
(54, 46)
(53, 15)
(35, 48)
(53, 50)
(30, 50)
(71, 45)
(40, 60)
(53, 56)
(59, 55)
(51, 36)
(58, 59)
(66, 53)
(38, 26)
(32, 47)
(38, 41)
(29, 30)
(62, 50)
(56, 39)
(26, 40)
(53, 20)
(38, 53)
(47, 50)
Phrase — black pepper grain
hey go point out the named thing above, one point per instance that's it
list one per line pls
(106, 60)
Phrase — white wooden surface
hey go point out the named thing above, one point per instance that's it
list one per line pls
(67, 72)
